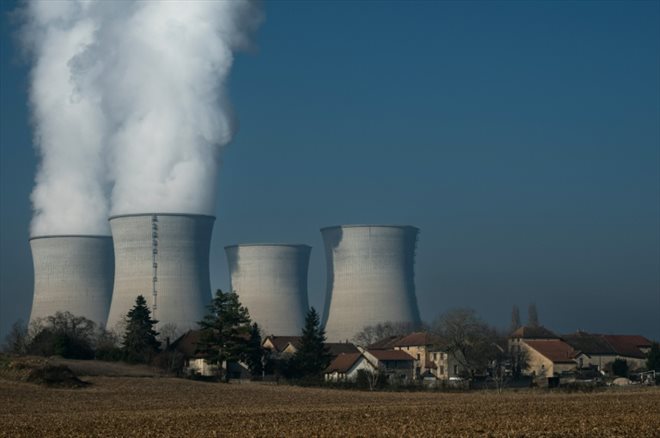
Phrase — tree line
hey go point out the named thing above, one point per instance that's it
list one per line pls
(227, 335)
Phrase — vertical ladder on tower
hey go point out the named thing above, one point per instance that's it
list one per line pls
(154, 250)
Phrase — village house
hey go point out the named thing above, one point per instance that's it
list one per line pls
(345, 367)
(396, 364)
(599, 350)
(280, 346)
(432, 358)
(444, 365)
(548, 357)
(418, 345)
(194, 363)
(524, 333)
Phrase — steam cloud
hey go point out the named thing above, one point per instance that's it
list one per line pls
(129, 106)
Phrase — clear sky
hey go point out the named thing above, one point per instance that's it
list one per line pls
(523, 138)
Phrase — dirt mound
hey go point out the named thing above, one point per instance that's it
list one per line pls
(55, 376)
(38, 370)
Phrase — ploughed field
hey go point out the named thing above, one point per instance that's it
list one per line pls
(161, 406)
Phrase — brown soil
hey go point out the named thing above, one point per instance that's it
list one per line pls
(119, 406)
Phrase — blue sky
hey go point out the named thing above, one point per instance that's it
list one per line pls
(523, 138)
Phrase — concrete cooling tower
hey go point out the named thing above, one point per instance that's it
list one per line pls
(271, 281)
(370, 278)
(72, 273)
(165, 258)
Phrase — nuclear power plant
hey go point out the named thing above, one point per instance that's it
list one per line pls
(271, 281)
(72, 273)
(370, 277)
(165, 258)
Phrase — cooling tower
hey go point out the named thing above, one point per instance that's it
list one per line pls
(165, 258)
(271, 281)
(72, 273)
(370, 277)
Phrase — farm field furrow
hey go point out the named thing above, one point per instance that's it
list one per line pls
(118, 406)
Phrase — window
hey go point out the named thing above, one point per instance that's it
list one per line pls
(442, 370)
(418, 356)
(455, 369)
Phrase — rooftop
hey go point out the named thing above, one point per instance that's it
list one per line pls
(280, 342)
(628, 345)
(343, 363)
(186, 344)
(594, 343)
(556, 350)
(588, 343)
(417, 339)
(385, 343)
(391, 355)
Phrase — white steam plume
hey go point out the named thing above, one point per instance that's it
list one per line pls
(70, 192)
(148, 80)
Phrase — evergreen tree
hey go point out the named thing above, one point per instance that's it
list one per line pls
(312, 357)
(225, 330)
(653, 358)
(255, 354)
(515, 319)
(140, 343)
(532, 316)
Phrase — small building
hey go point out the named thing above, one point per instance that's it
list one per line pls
(445, 365)
(194, 363)
(345, 367)
(432, 357)
(280, 345)
(288, 345)
(418, 345)
(529, 332)
(548, 357)
(599, 350)
(396, 364)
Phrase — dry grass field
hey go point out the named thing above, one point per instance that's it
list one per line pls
(159, 406)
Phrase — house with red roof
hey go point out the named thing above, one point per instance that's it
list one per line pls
(395, 364)
(345, 367)
(600, 350)
(549, 357)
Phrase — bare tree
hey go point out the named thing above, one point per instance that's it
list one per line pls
(508, 365)
(472, 342)
(168, 333)
(16, 341)
(532, 316)
(515, 319)
(374, 333)
(368, 378)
